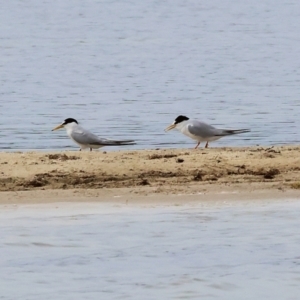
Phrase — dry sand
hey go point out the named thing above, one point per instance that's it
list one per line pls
(255, 172)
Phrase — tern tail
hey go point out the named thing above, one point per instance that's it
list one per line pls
(232, 131)
(119, 143)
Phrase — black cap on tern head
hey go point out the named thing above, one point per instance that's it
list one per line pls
(69, 120)
(180, 119)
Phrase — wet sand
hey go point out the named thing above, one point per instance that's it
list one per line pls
(256, 172)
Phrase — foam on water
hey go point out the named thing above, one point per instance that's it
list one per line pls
(238, 250)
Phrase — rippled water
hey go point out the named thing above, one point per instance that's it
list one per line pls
(103, 251)
(126, 69)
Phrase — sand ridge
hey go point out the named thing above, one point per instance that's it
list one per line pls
(163, 171)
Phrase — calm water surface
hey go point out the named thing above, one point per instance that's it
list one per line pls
(196, 251)
(126, 69)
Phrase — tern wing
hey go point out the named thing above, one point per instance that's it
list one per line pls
(85, 137)
(224, 132)
(202, 129)
(206, 131)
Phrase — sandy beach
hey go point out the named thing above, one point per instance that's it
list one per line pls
(255, 172)
(201, 222)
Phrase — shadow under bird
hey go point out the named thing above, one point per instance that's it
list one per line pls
(200, 131)
(86, 139)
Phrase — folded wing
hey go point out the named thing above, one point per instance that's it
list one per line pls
(85, 137)
(202, 129)
(206, 131)
(224, 132)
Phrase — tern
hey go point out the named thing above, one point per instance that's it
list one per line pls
(200, 131)
(86, 139)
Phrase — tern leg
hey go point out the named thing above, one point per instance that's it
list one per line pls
(206, 146)
(197, 145)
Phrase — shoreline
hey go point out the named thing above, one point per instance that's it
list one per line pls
(125, 196)
(138, 174)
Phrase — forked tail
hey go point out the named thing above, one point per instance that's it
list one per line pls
(119, 143)
(233, 131)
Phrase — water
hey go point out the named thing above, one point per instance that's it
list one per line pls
(126, 69)
(207, 250)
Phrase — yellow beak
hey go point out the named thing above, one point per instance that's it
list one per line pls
(58, 127)
(172, 126)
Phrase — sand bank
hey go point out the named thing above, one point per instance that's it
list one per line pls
(214, 171)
